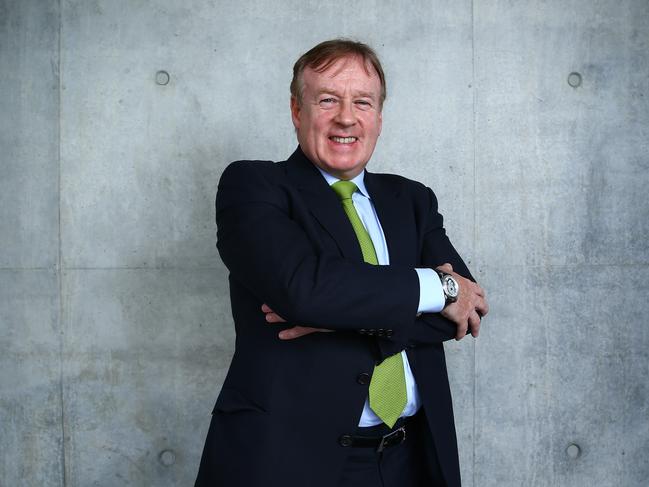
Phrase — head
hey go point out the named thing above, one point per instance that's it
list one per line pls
(337, 96)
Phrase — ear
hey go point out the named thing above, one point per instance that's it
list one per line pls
(295, 112)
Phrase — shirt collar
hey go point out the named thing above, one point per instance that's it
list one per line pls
(359, 181)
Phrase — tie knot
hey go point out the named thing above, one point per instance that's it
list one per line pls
(344, 189)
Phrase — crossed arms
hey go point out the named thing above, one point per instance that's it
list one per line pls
(264, 241)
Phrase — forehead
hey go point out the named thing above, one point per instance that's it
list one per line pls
(348, 71)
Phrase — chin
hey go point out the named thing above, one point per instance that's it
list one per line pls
(347, 163)
(343, 167)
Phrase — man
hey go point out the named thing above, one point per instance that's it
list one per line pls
(338, 376)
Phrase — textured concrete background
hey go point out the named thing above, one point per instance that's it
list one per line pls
(115, 328)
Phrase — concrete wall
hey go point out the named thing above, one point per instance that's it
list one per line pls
(115, 328)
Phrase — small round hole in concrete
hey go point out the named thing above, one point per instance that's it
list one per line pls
(573, 451)
(162, 78)
(574, 80)
(167, 458)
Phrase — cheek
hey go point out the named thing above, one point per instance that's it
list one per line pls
(318, 131)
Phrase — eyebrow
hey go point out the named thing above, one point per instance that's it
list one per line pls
(364, 94)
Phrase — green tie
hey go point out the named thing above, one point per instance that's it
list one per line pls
(388, 394)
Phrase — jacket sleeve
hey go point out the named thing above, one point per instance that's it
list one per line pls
(270, 254)
(436, 250)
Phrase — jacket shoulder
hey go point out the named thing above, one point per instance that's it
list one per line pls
(401, 184)
(248, 181)
(250, 168)
(421, 198)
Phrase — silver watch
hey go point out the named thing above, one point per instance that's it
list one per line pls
(450, 287)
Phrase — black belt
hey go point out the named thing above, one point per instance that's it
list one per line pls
(380, 443)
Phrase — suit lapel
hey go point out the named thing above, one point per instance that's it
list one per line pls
(391, 207)
(323, 204)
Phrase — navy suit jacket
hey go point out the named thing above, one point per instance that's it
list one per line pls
(284, 405)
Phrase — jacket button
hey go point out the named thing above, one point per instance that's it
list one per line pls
(345, 440)
(363, 379)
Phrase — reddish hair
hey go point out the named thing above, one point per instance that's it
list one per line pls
(320, 57)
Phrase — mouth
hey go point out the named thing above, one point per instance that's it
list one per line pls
(343, 140)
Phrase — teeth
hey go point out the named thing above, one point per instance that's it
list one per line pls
(344, 140)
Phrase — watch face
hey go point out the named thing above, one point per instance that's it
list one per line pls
(451, 286)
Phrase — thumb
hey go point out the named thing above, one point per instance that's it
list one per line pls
(445, 268)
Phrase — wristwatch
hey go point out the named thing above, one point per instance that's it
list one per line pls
(450, 287)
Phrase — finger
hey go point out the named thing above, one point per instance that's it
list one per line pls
(482, 307)
(295, 332)
(289, 333)
(479, 291)
(299, 331)
(274, 318)
(461, 331)
(266, 309)
(474, 321)
(448, 268)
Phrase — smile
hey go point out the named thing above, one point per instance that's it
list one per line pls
(343, 140)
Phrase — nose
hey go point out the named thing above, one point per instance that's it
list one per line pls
(345, 115)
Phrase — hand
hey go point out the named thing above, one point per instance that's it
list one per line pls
(289, 333)
(470, 307)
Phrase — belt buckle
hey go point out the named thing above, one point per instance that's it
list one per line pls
(383, 443)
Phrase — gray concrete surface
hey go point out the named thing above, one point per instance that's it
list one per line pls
(115, 331)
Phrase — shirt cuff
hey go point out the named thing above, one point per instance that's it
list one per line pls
(431, 295)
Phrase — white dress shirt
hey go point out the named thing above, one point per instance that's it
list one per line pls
(431, 296)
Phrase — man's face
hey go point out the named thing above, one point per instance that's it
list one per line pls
(339, 118)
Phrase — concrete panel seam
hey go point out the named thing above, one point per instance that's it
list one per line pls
(143, 268)
(60, 257)
(473, 111)
(633, 265)
(28, 268)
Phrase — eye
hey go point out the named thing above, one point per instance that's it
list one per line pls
(363, 104)
(327, 102)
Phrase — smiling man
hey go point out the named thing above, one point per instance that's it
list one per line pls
(343, 287)
(336, 110)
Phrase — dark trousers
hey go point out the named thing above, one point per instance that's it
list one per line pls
(404, 465)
